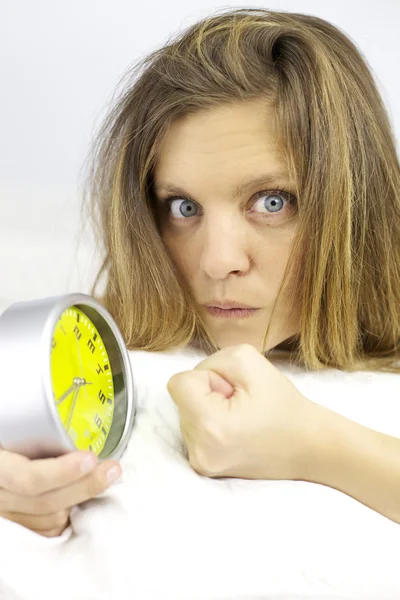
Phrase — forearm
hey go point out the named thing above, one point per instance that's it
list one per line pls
(358, 461)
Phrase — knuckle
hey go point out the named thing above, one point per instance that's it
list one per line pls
(239, 349)
(246, 349)
(240, 353)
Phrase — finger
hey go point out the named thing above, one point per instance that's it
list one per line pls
(220, 384)
(62, 498)
(28, 477)
(58, 520)
(201, 394)
(238, 365)
(50, 533)
(187, 388)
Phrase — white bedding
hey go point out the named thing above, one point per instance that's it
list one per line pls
(164, 532)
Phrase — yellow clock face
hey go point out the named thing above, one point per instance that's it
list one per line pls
(82, 380)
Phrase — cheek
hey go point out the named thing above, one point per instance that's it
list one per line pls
(182, 255)
(271, 261)
(272, 255)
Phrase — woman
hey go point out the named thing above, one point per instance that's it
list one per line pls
(250, 161)
(285, 105)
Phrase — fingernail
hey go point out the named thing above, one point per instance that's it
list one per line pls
(88, 464)
(113, 474)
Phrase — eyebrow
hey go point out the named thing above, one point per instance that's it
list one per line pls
(241, 188)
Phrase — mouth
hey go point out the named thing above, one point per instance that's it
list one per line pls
(226, 304)
(227, 313)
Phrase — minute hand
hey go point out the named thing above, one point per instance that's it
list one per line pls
(72, 408)
(66, 394)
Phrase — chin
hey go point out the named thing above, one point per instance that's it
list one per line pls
(279, 344)
(238, 342)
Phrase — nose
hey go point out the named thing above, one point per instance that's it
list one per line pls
(224, 247)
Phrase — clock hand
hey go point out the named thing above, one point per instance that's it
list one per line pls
(72, 407)
(79, 382)
(67, 393)
(76, 382)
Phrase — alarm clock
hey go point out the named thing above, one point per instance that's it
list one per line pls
(66, 380)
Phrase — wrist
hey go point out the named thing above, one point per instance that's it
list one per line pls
(318, 441)
(334, 449)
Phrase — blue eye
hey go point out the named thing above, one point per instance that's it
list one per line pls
(275, 203)
(186, 209)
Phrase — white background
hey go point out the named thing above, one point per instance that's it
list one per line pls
(60, 64)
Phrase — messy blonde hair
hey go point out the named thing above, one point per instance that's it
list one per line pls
(340, 151)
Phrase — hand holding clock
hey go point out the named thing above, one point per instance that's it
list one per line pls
(83, 438)
(39, 494)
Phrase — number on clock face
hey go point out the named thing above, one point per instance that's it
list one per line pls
(82, 380)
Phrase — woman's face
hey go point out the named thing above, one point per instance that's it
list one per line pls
(228, 241)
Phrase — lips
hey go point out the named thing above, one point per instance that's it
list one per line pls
(229, 305)
(231, 312)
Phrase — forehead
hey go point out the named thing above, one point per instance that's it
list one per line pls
(219, 138)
